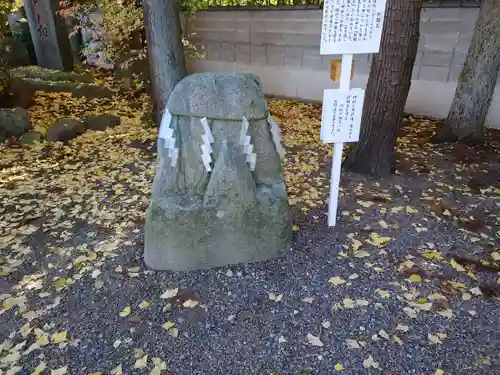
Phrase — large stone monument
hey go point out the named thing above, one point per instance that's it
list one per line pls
(219, 195)
(49, 34)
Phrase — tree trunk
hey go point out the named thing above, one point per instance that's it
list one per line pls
(387, 89)
(477, 81)
(165, 50)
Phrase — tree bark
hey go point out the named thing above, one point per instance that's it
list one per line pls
(165, 50)
(387, 89)
(476, 84)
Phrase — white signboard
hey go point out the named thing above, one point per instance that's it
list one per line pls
(351, 26)
(341, 115)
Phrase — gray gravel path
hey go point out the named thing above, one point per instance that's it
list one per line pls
(72, 261)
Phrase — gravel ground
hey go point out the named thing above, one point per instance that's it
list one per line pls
(387, 292)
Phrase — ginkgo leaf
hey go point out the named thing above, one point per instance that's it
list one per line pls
(361, 254)
(402, 327)
(40, 368)
(170, 293)
(335, 280)
(314, 340)
(144, 305)
(415, 278)
(397, 340)
(495, 255)
(158, 362)
(466, 296)
(141, 362)
(308, 299)
(352, 344)
(439, 372)
(410, 312)
(174, 332)
(190, 303)
(362, 302)
(339, 367)
(326, 324)
(456, 266)
(96, 373)
(383, 334)
(118, 370)
(379, 241)
(383, 224)
(43, 340)
(370, 363)
(447, 313)
(411, 210)
(383, 293)
(366, 204)
(158, 366)
(126, 311)
(59, 337)
(59, 371)
(356, 244)
(95, 273)
(274, 297)
(348, 303)
(434, 338)
(476, 291)
(168, 325)
(433, 255)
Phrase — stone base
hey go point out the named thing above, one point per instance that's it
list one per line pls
(183, 234)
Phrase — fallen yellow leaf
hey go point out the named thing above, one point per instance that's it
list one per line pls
(314, 340)
(126, 311)
(377, 240)
(335, 280)
(415, 278)
(190, 304)
(59, 337)
(411, 210)
(168, 325)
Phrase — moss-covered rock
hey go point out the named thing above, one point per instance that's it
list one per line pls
(15, 122)
(230, 208)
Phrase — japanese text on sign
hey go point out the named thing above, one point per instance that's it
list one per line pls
(342, 112)
(352, 26)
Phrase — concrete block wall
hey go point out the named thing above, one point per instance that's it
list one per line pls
(282, 47)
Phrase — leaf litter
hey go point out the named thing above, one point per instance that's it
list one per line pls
(86, 201)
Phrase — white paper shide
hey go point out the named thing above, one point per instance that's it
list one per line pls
(276, 134)
(352, 26)
(245, 141)
(206, 148)
(167, 133)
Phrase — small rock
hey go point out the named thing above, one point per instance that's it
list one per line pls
(101, 122)
(65, 129)
(13, 53)
(31, 137)
(15, 121)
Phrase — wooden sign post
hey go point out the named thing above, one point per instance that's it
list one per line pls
(348, 27)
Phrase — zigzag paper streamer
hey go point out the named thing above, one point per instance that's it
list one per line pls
(167, 133)
(206, 148)
(276, 135)
(245, 141)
